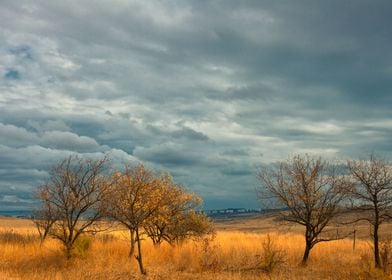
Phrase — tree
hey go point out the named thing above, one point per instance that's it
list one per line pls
(177, 218)
(44, 219)
(72, 201)
(134, 197)
(146, 203)
(189, 225)
(309, 190)
(372, 194)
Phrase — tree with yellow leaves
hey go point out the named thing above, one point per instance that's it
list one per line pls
(135, 196)
(146, 203)
(177, 217)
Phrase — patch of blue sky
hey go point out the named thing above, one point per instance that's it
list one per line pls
(12, 74)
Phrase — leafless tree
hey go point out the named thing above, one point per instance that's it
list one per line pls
(72, 200)
(309, 191)
(372, 194)
(44, 218)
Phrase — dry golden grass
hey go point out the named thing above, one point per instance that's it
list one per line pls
(231, 254)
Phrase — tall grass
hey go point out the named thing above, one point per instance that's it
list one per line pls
(17, 237)
(229, 255)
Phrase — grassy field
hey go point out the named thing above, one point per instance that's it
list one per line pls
(241, 249)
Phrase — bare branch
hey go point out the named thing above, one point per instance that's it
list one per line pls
(72, 200)
(372, 192)
(309, 189)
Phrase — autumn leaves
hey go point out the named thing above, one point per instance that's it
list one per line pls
(81, 193)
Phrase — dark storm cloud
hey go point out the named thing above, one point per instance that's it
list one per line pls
(204, 89)
(189, 134)
(168, 155)
(22, 51)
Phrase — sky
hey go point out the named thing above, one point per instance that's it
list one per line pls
(207, 90)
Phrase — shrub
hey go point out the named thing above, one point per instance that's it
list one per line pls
(81, 246)
(271, 256)
(385, 254)
(368, 271)
(209, 259)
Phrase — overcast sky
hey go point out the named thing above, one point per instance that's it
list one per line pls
(207, 90)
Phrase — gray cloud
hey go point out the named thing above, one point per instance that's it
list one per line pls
(168, 155)
(69, 141)
(16, 136)
(204, 89)
(189, 134)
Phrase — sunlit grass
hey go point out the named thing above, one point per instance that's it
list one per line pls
(230, 255)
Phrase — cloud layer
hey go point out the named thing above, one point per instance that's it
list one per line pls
(207, 90)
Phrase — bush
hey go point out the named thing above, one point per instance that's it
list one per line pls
(81, 246)
(271, 256)
(385, 254)
(209, 259)
(368, 271)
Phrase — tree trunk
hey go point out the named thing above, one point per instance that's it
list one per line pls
(377, 261)
(306, 256)
(308, 247)
(139, 256)
(132, 249)
(68, 251)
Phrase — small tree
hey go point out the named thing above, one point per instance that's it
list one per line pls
(310, 191)
(190, 225)
(372, 194)
(176, 218)
(72, 200)
(145, 203)
(134, 197)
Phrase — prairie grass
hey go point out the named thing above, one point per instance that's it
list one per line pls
(228, 255)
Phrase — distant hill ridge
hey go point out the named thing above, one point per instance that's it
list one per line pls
(16, 213)
(209, 212)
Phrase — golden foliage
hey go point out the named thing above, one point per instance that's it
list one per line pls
(144, 202)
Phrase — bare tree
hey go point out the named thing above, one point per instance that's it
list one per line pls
(44, 218)
(72, 200)
(309, 190)
(372, 194)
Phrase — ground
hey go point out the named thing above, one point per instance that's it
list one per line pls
(242, 248)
